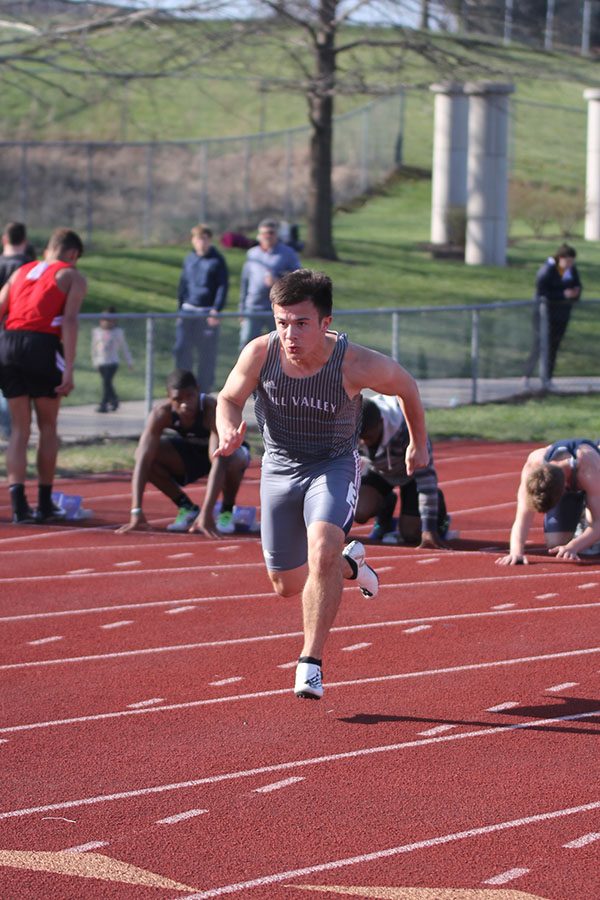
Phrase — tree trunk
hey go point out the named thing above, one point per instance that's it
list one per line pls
(320, 103)
(424, 24)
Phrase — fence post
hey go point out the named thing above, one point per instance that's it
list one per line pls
(395, 337)
(89, 187)
(474, 354)
(148, 208)
(149, 390)
(544, 343)
(23, 184)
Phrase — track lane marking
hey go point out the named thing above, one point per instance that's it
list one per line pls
(278, 785)
(262, 638)
(563, 686)
(296, 764)
(142, 704)
(83, 848)
(255, 695)
(388, 852)
(47, 640)
(438, 729)
(505, 877)
(583, 841)
(181, 817)
(500, 707)
(218, 598)
(121, 624)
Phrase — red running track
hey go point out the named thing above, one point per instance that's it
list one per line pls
(151, 745)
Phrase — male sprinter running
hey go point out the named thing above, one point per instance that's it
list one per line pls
(307, 381)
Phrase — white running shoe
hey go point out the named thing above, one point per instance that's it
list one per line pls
(367, 578)
(309, 681)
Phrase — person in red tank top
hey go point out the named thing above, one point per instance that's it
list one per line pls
(39, 308)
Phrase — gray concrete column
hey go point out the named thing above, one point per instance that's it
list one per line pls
(449, 180)
(592, 182)
(487, 173)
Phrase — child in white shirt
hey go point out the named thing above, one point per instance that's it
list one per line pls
(108, 344)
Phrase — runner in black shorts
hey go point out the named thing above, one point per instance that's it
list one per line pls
(172, 460)
(39, 306)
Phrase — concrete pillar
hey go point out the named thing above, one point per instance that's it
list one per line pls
(592, 182)
(449, 182)
(487, 173)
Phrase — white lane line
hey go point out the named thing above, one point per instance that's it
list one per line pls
(439, 729)
(128, 562)
(228, 549)
(588, 586)
(416, 628)
(83, 848)
(288, 665)
(583, 841)
(505, 877)
(510, 704)
(437, 841)
(202, 645)
(226, 681)
(232, 698)
(181, 817)
(47, 640)
(219, 598)
(173, 570)
(179, 555)
(178, 609)
(564, 686)
(121, 624)
(3, 740)
(545, 596)
(504, 606)
(277, 785)
(353, 647)
(142, 704)
(426, 562)
(80, 571)
(298, 764)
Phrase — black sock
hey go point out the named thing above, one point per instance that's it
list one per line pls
(311, 659)
(183, 501)
(45, 496)
(226, 507)
(17, 498)
(354, 566)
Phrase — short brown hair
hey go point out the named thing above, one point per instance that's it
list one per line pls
(63, 239)
(201, 230)
(545, 486)
(15, 233)
(304, 284)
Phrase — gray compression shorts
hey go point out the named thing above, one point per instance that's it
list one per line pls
(292, 498)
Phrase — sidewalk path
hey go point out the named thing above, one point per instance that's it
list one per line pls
(78, 423)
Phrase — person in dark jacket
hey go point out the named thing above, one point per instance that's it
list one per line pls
(202, 294)
(16, 251)
(559, 283)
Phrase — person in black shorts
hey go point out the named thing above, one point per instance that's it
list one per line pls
(171, 461)
(39, 308)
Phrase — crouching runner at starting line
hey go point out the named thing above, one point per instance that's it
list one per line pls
(171, 461)
(307, 381)
(563, 482)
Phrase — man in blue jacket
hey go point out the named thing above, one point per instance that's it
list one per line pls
(265, 263)
(202, 295)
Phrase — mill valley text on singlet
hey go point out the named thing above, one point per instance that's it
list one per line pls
(304, 419)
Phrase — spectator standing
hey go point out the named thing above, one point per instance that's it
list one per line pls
(265, 263)
(202, 294)
(15, 253)
(558, 282)
(39, 307)
(108, 345)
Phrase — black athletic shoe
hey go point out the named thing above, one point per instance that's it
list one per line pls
(24, 516)
(53, 513)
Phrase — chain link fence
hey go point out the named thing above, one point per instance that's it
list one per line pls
(150, 192)
(474, 342)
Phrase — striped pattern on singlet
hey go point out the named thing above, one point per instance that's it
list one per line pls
(305, 419)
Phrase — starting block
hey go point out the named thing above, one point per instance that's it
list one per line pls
(71, 504)
(244, 518)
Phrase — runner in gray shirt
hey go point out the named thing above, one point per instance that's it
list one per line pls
(307, 381)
